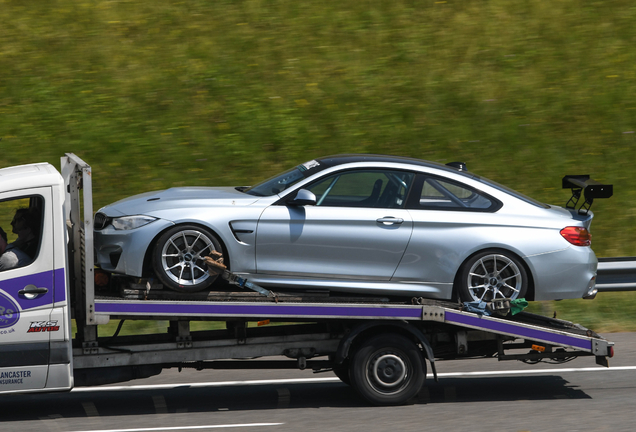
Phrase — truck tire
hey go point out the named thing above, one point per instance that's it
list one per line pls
(342, 372)
(492, 274)
(177, 258)
(388, 369)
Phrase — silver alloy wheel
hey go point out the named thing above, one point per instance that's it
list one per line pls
(494, 276)
(387, 372)
(182, 257)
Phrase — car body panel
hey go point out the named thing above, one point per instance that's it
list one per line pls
(292, 241)
(367, 287)
(561, 274)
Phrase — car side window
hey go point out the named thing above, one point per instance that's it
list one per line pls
(363, 188)
(435, 193)
(20, 228)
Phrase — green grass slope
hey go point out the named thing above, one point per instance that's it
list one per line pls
(164, 93)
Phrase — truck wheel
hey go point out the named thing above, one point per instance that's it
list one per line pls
(388, 369)
(492, 274)
(177, 258)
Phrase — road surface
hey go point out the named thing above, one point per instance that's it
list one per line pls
(476, 395)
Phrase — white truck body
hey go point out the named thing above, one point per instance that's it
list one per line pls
(34, 328)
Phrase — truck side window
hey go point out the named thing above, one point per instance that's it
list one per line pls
(20, 231)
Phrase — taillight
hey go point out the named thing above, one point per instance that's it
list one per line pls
(578, 236)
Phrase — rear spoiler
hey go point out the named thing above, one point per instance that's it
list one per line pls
(591, 189)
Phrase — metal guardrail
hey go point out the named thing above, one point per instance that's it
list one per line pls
(616, 274)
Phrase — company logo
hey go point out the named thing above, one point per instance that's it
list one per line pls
(43, 326)
(14, 377)
(9, 311)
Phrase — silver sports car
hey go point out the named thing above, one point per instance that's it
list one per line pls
(368, 224)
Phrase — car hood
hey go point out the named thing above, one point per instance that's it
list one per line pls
(173, 198)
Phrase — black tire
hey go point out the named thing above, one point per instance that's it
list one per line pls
(388, 369)
(492, 274)
(342, 372)
(177, 258)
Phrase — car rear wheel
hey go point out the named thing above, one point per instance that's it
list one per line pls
(492, 274)
(178, 258)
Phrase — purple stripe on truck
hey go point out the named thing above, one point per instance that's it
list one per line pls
(517, 330)
(257, 310)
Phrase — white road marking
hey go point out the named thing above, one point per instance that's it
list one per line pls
(186, 427)
(335, 379)
(207, 384)
(533, 372)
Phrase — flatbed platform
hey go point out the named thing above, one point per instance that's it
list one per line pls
(303, 307)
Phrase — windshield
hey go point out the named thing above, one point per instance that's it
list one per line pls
(278, 183)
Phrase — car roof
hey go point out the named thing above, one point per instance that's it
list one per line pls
(329, 161)
(335, 160)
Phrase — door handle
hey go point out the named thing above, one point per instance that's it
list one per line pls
(32, 289)
(389, 220)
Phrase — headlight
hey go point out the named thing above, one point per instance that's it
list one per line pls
(131, 222)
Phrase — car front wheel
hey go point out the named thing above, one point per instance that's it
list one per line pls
(178, 258)
(491, 275)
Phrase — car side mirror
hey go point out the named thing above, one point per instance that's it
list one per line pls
(303, 198)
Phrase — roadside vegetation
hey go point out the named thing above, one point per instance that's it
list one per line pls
(166, 93)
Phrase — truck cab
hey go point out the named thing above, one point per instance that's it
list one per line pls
(35, 334)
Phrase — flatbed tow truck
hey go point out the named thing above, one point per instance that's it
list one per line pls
(379, 346)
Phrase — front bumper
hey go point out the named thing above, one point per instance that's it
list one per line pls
(123, 251)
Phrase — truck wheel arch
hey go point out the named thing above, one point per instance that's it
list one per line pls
(363, 331)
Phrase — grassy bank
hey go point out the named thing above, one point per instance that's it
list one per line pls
(165, 93)
(608, 312)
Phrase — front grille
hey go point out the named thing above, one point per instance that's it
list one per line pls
(101, 221)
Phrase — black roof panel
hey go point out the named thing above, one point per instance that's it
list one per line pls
(335, 160)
